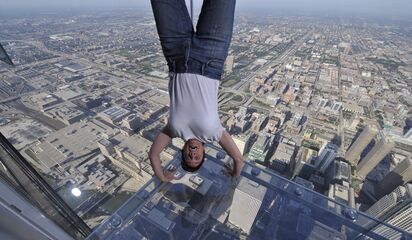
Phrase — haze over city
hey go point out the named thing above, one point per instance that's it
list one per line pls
(392, 9)
(317, 96)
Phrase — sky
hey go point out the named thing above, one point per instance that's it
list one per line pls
(395, 9)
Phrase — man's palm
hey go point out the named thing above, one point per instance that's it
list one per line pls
(169, 174)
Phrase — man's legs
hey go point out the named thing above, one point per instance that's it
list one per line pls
(175, 29)
(210, 44)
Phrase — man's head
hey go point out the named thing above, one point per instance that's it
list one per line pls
(193, 155)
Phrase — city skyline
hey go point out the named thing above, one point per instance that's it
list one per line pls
(319, 107)
(380, 9)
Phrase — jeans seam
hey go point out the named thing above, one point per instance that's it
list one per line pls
(187, 55)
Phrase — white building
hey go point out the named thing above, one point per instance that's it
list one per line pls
(247, 200)
(327, 154)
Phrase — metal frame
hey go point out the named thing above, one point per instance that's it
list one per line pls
(36, 190)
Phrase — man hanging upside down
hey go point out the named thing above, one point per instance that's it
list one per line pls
(195, 60)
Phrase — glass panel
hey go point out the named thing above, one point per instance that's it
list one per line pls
(25, 180)
(263, 206)
(85, 129)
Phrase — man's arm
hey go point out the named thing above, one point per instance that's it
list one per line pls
(160, 143)
(230, 147)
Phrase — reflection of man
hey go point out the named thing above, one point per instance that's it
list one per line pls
(195, 61)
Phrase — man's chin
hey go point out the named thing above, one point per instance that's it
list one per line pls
(193, 165)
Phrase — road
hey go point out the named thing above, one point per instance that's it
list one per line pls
(47, 121)
(341, 127)
(148, 80)
(280, 59)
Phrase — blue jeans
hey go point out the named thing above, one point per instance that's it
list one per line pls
(202, 52)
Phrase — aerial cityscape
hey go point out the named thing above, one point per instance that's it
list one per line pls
(319, 102)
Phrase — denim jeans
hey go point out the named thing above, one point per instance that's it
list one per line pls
(203, 51)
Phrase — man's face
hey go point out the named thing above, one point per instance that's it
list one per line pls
(193, 151)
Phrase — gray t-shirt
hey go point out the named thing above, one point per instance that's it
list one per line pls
(193, 107)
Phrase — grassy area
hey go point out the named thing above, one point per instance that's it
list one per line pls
(356, 184)
(387, 63)
(116, 201)
(229, 95)
(122, 52)
(331, 60)
(261, 104)
(108, 206)
(237, 98)
(229, 82)
(310, 145)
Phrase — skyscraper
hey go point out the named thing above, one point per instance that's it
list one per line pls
(260, 149)
(395, 209)
(366, 136)
(282, 158)
(229, 64)
(387, 202)
(327, 154)
(400, 175)
(339, 171)
(132, 122)
(382, 148)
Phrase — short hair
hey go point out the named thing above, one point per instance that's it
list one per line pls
(188, 168)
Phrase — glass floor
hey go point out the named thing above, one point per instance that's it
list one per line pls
(257, 205)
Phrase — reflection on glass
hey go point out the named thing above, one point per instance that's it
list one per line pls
(25, 180)
(257, 205)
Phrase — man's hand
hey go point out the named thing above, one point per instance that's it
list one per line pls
(239, 166)
(168, 174)
(230, 147)
(234, 168)
(160, 143)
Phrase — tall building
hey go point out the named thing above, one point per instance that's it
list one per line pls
(106, 147)
(382, 148)
(339, 171)
(241, 142)
(366, 136)
(394, 209)
(399, 176)
(260, 149)
(247, 200)
(132, 122)
(229, 64)
(327, 154)
(281, 159)
(387, 202)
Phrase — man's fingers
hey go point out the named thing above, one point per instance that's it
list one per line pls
(228, 166)
(229, 172)
(171, 168)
